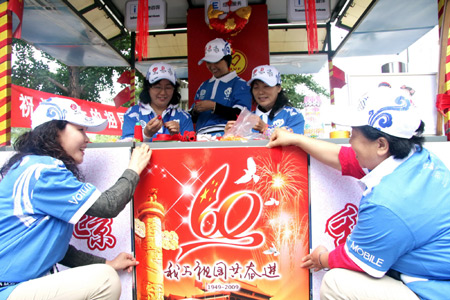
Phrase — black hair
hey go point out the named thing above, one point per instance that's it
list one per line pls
(228, 58)
(282, 100)
(43, 140)
(398, 147)
(144, 96)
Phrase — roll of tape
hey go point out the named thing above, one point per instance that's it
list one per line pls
(340, 134)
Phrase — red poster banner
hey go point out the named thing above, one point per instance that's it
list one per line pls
(24, 101)
(210, 223)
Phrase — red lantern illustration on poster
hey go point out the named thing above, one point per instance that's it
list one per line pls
(341, 224)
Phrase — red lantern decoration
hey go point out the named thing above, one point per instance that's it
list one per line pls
(233, 22)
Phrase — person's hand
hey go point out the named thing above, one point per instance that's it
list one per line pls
(260, 126)
(282, 137)
(153, 126)
(229, 125)
(123, 261)
(311, 261)
(204, 105)
(140, 158)
(173, 127)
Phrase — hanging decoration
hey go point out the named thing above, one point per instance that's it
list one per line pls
(232, 23)
(311, 26)
(128, 93)
(122, 97)
(142, 29)
(337, 76)
(16, 6)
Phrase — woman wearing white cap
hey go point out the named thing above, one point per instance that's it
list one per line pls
(400, 245)
(222, 97)
(42, 196)
(274, 108)
(158, 111)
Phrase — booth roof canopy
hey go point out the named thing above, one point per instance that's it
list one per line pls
(80, 32)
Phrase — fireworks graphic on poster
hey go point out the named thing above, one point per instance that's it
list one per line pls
(283, 193)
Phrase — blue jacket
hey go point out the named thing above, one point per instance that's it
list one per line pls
(287, 116)
(229, 90)
(142, 113)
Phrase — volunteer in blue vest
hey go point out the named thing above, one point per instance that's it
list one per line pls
(223, 96)
(400, 245)
(158, 111)
(274, 109)
(42, 197)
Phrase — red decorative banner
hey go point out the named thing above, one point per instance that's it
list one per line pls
(24, 101)
(223, 224)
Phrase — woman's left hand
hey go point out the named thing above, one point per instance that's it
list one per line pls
(173, 127)
(260, 126)
(123, 261)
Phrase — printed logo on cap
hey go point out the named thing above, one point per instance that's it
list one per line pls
(160, 71)
(268, 74)
(383, 118)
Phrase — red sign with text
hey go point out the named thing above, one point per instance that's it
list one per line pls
(235, 221)
(24, 101)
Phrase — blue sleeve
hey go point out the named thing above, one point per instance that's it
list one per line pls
(378, 239)
(297, 123)
(242, 95)
(60, 194)
(186, 123)
(128, 125)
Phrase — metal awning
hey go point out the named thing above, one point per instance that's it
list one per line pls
(53, 27)
(389, 27)
(81, 32)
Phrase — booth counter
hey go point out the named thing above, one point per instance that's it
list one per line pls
(222, 219)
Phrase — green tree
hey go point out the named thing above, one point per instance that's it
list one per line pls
(31, 70)
(291, 81)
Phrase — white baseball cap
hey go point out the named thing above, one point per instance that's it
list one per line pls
(159, 71)
(65, 110)
(215, 50)
(386, 109)
(268, 74)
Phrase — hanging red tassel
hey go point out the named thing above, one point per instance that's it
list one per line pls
(142, 29)
(311, 26)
